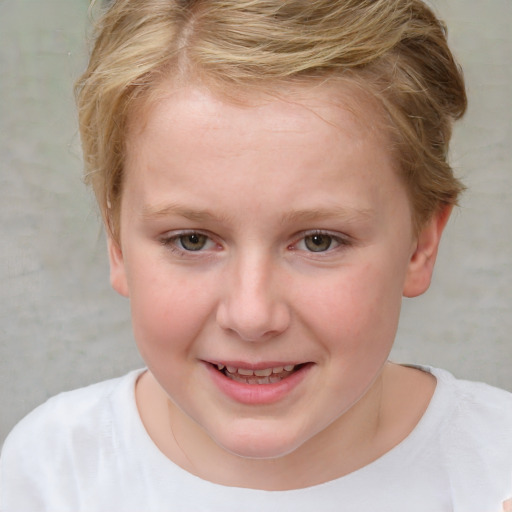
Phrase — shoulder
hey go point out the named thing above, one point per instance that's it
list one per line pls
(476, 401)
(475, 435)
(72, 411)
(481, 416)
(64, 437)
(472, 410)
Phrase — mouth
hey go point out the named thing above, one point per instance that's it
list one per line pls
(258, 384)
(261, 376)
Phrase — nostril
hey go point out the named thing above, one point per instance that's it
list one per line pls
(255, 325)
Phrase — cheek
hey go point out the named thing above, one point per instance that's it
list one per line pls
(357, 309)
(169, 309)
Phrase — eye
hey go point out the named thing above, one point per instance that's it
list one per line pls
(192, 241)
(318, 242)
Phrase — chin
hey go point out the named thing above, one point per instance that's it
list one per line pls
(263, 451)
(260, 443)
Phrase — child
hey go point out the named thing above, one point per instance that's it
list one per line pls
(273, 179)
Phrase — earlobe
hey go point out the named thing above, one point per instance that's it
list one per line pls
(423, 258)
(118, 279)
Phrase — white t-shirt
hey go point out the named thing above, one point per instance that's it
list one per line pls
(87, 450)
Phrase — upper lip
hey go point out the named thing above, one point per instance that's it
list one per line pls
(262, 365)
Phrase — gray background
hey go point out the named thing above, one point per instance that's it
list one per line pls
(60, 324)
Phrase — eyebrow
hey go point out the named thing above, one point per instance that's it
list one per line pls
(177, 210)
(305, 215)
(336, 212)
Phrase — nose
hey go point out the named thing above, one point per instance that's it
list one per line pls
(253, 304)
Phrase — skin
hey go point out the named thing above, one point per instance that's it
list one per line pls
(258, 181)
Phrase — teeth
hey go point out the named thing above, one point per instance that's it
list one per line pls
(265, 372)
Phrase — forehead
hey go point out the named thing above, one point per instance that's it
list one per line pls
(342, 104)
(193, 133)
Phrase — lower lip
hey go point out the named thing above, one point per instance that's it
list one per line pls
(257, 394)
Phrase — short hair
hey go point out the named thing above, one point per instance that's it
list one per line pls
(395, 49)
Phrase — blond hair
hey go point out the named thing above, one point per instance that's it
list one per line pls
(395, 49)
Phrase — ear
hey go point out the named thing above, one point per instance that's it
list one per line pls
(423, 258)
(118, 279)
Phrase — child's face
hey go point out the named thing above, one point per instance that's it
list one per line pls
(259, 238)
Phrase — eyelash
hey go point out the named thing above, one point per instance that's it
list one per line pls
(341, 242)
(171, 242)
